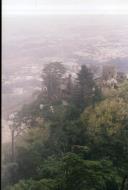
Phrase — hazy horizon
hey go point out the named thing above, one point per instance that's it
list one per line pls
(34, 7)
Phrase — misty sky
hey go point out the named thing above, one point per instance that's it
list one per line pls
(65, 6)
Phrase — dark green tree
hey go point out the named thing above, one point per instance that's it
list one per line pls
(85, 89)
(52, 75)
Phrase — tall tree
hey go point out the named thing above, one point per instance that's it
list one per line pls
(85, 88)
(52, 75)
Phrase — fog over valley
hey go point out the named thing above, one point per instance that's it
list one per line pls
(29, 42)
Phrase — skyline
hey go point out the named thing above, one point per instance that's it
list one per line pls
(64, 7)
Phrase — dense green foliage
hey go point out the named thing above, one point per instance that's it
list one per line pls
(82, 145)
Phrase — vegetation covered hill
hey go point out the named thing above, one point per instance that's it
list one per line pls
(72, 137)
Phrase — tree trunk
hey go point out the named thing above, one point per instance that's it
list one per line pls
(13, 146)
(123, 183)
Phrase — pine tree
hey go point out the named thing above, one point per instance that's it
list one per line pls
(52, 75)
(84, 90)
